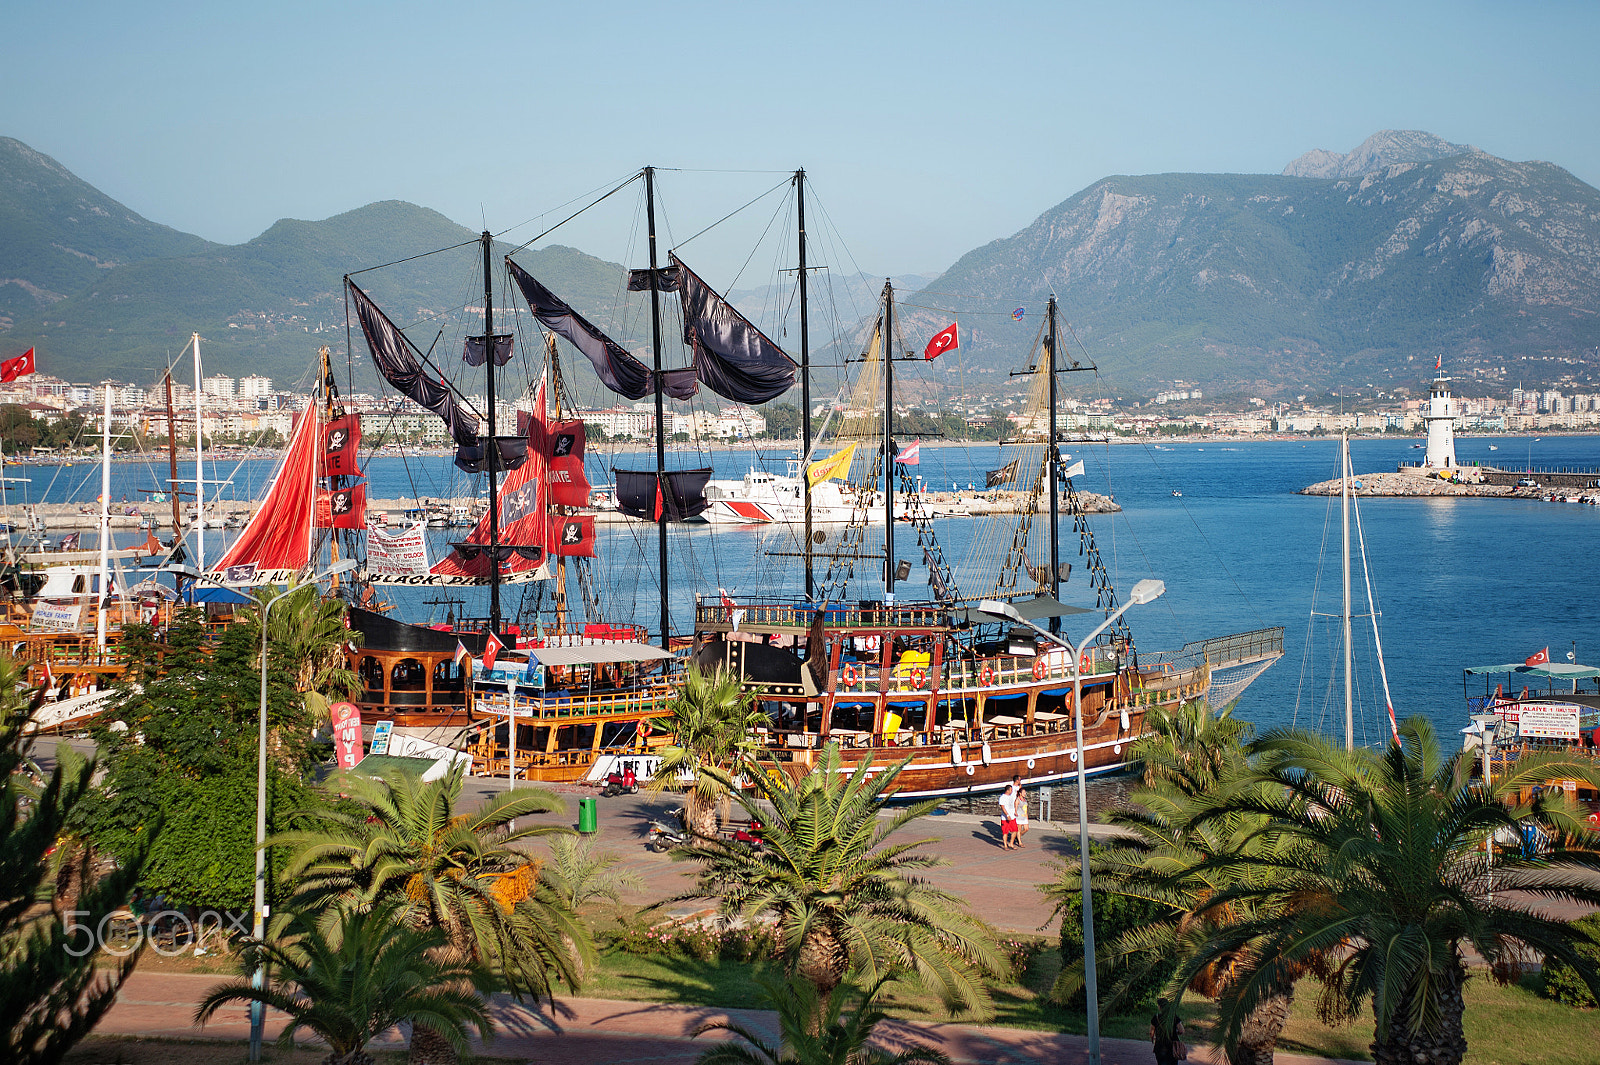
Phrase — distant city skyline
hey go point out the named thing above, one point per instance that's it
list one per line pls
(927, 129)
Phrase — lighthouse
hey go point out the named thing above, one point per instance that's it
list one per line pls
(1441, 421)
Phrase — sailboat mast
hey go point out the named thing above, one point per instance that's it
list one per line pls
(554, 367)
(1349, 701)
(805, 372)
(888, 441)
(199, 463)
(1054, 467)
(105, 524)
(172, 463)
(661, 429)
(494, 443)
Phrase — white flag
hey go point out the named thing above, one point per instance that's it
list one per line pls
(1075, 470)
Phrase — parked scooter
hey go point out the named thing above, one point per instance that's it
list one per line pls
(664, 837)
(617, 783)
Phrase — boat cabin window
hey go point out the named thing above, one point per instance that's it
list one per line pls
(371, 672)
(408, 675)
(79, 584)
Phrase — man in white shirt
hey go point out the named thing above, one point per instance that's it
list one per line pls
(1009, 837)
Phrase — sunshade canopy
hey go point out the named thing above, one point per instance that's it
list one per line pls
(596, 653)
(1042, 606)
(1552, 670)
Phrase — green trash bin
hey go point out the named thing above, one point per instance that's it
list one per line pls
(588, 816)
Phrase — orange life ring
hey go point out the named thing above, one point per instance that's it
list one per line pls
(919, 678)
(1039, 669)
(986, 678)
(850, 674)
(1085, 661)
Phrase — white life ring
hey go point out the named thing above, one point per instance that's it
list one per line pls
(969, 770)
(1116, 748)
(1074, 755)
(1030, 763)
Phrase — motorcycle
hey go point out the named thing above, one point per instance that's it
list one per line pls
(617, 783)
(663, 837)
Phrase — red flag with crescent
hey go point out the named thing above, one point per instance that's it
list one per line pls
(942, 341)
(20, 366)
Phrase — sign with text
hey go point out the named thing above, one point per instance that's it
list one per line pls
(347, 734)
(1550, 721)
(380, 737)
(402, 554)
(54, 618)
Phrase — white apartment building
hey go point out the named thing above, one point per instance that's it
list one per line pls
(620, 421)
(255, 387)
(218, 385)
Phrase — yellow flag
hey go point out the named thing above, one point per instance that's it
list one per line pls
(836, 465)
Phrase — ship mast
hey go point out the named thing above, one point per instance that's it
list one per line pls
(493, 454)
(805, 373)
(1054, 465)
(888, 442)
(661, 438)
(1349, 701)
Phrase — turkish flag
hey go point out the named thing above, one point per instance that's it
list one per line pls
(491, 650)
(942, 341)
(12, 369)
(574, 536)
(1539, 658)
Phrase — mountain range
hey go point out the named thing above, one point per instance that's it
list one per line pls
(1351, 269)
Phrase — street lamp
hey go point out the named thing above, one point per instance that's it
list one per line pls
(259, 979)
(1145, 591)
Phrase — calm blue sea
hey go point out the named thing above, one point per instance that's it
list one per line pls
(1458, 581)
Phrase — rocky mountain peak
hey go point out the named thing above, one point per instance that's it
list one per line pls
(1382, 149)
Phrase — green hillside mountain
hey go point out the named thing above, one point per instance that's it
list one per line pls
(1276, 283)
(58, 234)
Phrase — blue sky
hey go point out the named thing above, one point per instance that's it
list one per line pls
(927, 129)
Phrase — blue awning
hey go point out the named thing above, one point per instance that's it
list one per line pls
(198, 593)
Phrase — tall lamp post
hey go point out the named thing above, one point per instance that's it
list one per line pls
(1145, 591)
(258, 930)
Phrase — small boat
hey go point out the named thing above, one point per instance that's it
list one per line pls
(1177, 492)
(1548, 707)
(1493, 447)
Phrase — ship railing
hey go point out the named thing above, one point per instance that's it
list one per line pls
(656, 698)
(972, 675)
(1240, 649)
(836, 616)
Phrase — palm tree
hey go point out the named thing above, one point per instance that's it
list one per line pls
(1382, 866)
(399, 840)
(580, 876)
(713, 723)
(1162, 865)
(309, 633)
(844, 898)
(354, 974)
(814, 1032)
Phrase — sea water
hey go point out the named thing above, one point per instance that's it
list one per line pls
(1458, 582)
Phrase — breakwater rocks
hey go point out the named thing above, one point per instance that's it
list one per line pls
(1410, 484)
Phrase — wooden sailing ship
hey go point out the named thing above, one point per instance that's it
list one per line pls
(970, 699)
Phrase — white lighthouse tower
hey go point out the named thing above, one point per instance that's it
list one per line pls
(1441, 420)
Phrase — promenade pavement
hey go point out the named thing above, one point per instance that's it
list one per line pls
(583, 1031)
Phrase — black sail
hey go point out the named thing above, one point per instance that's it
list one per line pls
(731, 357)
(618, 371)
(639, 497)
(398, 363)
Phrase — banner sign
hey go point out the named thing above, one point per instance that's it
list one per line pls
(347, 734)
(1554, 721)
(402, 554)
(380, 737)
(55, 618)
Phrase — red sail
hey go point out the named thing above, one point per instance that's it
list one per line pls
(522, 518)
(277, 542)
(564, 447)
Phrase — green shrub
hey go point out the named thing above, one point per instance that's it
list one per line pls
(697, 942)
(1113, 915)
(1561, 982)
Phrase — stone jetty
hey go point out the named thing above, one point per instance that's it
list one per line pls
(1412, 484)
